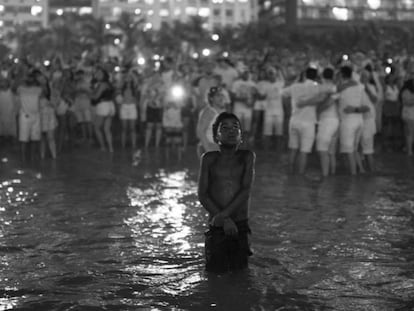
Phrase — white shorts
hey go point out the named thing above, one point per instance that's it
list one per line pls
(244, 113)
(301, 135)
(327, 132)
(48, 121)
(260, 105)
(105, 109)
(128, 112)
(272, 125)
(368, 133)
(350, 131)
(29, 127)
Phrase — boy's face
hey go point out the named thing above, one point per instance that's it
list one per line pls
(229, 132)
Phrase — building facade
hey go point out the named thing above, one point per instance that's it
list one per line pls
(328, 12)
(216, 13)
(32, 14)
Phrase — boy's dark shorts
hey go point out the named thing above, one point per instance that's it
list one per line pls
(227, 253)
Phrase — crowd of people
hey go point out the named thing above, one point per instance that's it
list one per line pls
(354, 104)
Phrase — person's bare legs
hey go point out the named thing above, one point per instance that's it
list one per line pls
(302, 161)
(132, 133)
(148, 134)
(108, 133)
(324, 159)
(124, 124)
(99, 120)
(158, 134)
(352, 163)
(292, 160)
(51, 142)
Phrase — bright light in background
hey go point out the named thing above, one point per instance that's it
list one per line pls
(177, 92)
(1, 23)
(226, 54)
(107, 26)
(150, 12)
(215, 37)
(141, 61)
(137, 11)
(36, 10)
(59, 12)
(1, 8)
(374, 4)
(46, 63)
(147, 26)
(16, 60)
(206, 52)
(195, 55)
(204, 12)
(156, 57)
(340, 13)
(117, 41)
(117, 69)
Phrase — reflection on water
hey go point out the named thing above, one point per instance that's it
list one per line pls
(91, 232)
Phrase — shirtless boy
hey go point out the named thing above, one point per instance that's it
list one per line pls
(224, 189)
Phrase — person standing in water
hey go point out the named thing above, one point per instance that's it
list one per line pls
(224, 190)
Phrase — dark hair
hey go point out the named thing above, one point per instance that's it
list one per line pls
(328, 73)
(346, 72)
(220, 118)
(408, 85)
(213, 91)
(311, 73)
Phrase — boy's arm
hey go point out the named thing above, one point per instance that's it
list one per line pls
(203, 184)
(243, 195)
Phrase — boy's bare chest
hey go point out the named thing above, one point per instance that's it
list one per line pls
(224, 170)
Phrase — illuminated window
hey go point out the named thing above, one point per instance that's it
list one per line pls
(1, 23)
(85, 10)
(1, 8)
(341, 13)
(191, 10)
(116, 11)
(164, 12)
(374, 4)
(36, 10)
(204, 12)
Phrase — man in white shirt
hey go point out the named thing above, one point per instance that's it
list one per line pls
(350, 103)
(244, 92)
(303, 119)
(273, 110)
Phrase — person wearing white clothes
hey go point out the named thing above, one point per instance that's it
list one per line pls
(273, 112)
(244, 92)
(28, 97)
(350, 103)
(128, 111)
(303, 119)
(216, 105)
(369, 127)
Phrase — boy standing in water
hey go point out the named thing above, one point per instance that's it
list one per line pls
(224, 190)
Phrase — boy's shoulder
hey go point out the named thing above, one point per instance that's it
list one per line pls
(247, 154)
(210, 155)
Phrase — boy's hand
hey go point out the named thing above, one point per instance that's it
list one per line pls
(229, 227)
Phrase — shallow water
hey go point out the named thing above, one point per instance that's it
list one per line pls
(92, 232)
